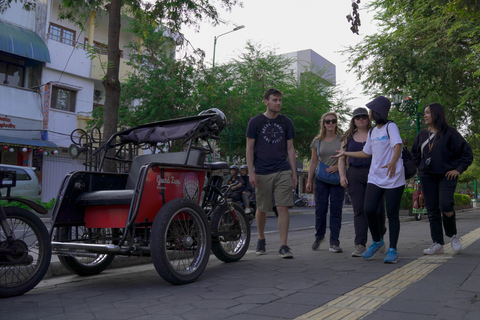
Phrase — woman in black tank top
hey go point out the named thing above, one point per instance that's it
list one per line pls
(354, 179)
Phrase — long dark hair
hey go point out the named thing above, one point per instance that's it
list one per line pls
(437, 112)
(353, 128)
(378, 118)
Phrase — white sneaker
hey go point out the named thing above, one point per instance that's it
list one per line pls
(435, 248)
(248, 210)
(456, 244)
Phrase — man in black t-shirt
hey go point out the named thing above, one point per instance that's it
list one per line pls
(271, 167)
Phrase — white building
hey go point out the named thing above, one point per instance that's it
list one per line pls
(308, 60)
(49, 86)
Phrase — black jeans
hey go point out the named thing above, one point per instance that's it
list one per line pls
(438, 194)
(357, 185)
(324, 192)
(393, 197)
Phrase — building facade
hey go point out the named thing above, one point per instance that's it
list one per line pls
(49, 85)
(310, 61)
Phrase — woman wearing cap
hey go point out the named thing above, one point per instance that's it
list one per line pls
(356, 176)
(328, 140)
(441, 155)
(386, 177)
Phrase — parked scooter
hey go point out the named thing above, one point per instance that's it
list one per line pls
(299, 201)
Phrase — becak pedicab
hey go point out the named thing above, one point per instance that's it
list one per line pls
(168, 206)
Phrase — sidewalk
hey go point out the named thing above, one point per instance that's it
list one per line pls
(313, 285)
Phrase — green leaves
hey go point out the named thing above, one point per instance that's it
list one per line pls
(428, 50)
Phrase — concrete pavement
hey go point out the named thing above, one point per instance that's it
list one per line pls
(313, 285)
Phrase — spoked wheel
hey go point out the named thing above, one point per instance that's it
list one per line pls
(86, 264)
(180, 242)
(29, 258)
(230, 233)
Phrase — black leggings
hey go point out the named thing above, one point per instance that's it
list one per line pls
(393, 197)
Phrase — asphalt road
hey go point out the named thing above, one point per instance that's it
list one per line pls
(300, 219)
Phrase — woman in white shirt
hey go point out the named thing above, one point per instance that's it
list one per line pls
(386, 177)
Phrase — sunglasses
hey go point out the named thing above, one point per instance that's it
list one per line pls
(362, 117)
(333, 121)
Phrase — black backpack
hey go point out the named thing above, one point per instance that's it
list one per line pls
(408, 162)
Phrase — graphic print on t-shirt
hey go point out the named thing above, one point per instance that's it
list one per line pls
(272, 133)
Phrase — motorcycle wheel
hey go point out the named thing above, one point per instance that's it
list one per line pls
(88, 264)
(180, 241)
(23, 269)
(230, 238)
(418, 216)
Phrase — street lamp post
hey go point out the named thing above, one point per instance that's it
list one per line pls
(215, 42)
(407, 105)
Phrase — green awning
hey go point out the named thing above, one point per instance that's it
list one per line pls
(27, 142)
(22, 42)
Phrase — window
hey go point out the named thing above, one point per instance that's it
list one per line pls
(12, 71)
(63, 99)
(100, 48)
(22, 175)
(61, 34)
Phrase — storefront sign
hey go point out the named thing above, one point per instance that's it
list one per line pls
(6, 123)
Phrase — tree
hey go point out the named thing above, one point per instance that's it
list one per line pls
(161, 85)
(170, 13)
(164, 87)
(27, 4)
(240, 86)
(430, 53)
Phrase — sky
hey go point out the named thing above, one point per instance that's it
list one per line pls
(288, 26)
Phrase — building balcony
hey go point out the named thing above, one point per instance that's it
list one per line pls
(99, 71)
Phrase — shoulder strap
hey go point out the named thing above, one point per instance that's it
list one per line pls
(432, 136)
(388, 134)
(318, 151)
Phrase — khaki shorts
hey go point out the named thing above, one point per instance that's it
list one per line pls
(278, 185)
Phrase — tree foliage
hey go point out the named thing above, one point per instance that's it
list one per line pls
(26, 4)
(428, 51)
(166, 88)
(170, 13)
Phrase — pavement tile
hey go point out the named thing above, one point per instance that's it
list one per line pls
(249, 317)
(280, 310)
(447, 313)
(267, 287)
(383, 315)
(256, 298)
(311, 299)
(215, 304)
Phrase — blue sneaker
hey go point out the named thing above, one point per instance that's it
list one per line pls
(374, 247)
(392, 256)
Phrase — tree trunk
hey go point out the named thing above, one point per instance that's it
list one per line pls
(111, 82)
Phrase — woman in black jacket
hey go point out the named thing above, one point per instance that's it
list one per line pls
(441, 155)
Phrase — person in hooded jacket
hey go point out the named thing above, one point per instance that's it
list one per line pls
(441, 155)
(386, 177)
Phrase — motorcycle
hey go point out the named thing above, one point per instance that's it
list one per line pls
(25, 249)
(299, 201)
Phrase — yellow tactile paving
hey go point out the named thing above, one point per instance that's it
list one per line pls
(358, 303)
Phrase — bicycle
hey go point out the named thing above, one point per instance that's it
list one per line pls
(25, 249)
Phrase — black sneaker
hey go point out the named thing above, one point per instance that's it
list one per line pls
(317, 243)
(285, 252)
(261, 246)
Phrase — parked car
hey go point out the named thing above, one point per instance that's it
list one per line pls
(27, 182)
